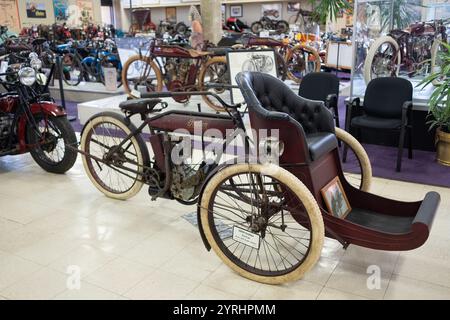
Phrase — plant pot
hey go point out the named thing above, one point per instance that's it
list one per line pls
(443, 147)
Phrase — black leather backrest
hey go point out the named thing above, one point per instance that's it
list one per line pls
(271, 97)
(384, 97)
(318, 85)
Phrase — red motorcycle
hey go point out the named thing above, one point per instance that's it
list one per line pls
(413, 51)
(30, 121)
(177, 69)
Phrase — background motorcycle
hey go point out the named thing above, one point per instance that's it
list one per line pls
(30, 121)
(265, 23)
(413, 50)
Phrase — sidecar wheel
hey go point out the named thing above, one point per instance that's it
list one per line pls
(355, 158)
(54, 156)
(273, 234)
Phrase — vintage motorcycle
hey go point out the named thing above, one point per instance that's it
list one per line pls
(265, 216)
(30, 121)
(413, 51)
(177, 69)
(265, 23)
(293, 61)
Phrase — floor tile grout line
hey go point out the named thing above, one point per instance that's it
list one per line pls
(390, 278)
(421, 280)
(20, 280)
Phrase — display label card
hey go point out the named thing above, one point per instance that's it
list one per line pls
(110, 78)
(246, 237)
(136, 94)
(264, 34)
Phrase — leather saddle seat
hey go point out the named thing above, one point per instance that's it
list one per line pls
(140, 106)
(273, 99)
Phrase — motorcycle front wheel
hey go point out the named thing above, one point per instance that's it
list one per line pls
(257, 27)
(122, 177)
(50, 141)
(383, 59)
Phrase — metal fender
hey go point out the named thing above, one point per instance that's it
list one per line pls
(45, 107)
(49, 108)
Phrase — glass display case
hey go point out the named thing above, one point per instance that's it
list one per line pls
(398, 37)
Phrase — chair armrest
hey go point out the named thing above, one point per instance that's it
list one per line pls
(406, 112)
(352, 109)
(331, 102)
(428, 209)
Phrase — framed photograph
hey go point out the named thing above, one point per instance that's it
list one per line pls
(171, 14)
(249, 60)
(335, 199)
(236, 11)
(293, 6)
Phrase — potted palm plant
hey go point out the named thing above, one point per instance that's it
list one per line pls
(439, 105)
(329, 9)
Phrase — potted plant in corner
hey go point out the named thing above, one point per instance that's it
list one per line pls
(439, 105)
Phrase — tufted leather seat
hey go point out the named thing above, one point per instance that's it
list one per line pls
(272, 99)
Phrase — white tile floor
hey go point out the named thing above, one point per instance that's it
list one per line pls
(140, 249)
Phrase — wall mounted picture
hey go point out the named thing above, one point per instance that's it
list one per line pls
(293, 6)
(236, 11)
(249, 60)
(335, 199)
(86, 11)
(36, 10)
(61, 8)
(272, 11)
(9, 15)
(171, 14)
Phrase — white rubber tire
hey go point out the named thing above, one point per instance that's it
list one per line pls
(361, 154)
(373, 51)
(300, 190)
(138, 184)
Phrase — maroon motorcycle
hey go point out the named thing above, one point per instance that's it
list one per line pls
(30, 121)
(265, 221)
(414, 51)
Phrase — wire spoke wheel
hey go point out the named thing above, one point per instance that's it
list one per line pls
(383, 59)
(262, 222)
(141, 74)
(49, 141)
(215, 72)
(120, 174)
(72, 69)
(301, 61)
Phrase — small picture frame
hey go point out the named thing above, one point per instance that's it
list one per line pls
(236, 11)
(335, 199)
(171, 14)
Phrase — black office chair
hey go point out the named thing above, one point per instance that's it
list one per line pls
(324, 87)
(387, 107)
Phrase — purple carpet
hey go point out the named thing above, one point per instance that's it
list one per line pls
(423, 168)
